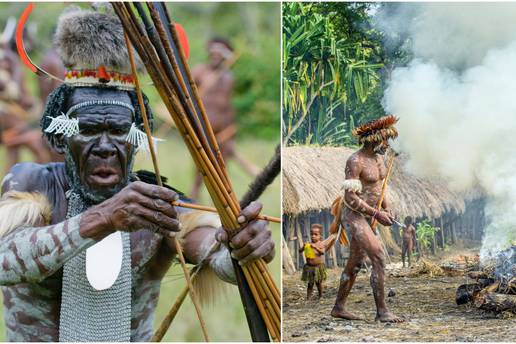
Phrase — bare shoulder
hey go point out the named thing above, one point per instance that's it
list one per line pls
(353, 163)
(227, 76)
(199, 69)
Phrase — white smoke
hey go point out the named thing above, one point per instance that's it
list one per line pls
(460, 123)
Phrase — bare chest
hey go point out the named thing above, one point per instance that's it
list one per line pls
(373, 170)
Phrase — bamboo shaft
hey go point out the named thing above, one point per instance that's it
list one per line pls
(268, 293)
(263, 269)
(181, 89)
(196, 94)
(261, 307)
(212, 167)
(193, 296)
(165, 324)
(183, 125)
(178, 247)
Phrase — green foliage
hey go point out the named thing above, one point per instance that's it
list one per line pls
(324, 73)
(425, 233)
(336, 34)
(257, 92)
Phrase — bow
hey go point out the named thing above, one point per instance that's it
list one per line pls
(158, 45)
(20, 46)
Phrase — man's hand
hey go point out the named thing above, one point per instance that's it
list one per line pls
(137, 206)
(254, 241)
(384, 218)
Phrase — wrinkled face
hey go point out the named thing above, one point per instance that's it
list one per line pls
(101, 157)
(381, 147)
(217, 53)
(315, 234)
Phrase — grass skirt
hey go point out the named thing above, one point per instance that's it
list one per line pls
(314, 274)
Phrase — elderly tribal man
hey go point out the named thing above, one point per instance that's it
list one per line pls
(365, 171)
(85, 243)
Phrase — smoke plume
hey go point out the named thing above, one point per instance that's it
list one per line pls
(457, 103)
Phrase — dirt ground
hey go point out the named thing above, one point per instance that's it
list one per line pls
(427, 303)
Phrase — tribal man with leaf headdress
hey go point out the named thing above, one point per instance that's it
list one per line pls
(365, 171)
(85, 243)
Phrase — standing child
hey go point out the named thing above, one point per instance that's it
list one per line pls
(409, 238)
(314, 271)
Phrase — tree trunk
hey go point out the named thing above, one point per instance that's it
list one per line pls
(288, 264)
(443, 239)
(452, 232)
(301, 242)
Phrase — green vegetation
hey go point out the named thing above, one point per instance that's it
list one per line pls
(425, 234)
(335, 66)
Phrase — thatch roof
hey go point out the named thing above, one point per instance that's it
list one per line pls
(313, 176)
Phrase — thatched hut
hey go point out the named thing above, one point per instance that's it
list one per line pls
(312, 179)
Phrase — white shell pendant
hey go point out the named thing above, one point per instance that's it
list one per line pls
(104, 261)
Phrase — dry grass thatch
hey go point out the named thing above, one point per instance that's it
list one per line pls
(313, 176)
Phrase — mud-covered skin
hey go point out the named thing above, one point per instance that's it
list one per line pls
(409, 237)
(367, 165)
(33, 296)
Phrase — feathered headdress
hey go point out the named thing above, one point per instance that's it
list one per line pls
(377, 130)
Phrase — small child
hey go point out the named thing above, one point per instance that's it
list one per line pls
(314, 271)
(409, 238)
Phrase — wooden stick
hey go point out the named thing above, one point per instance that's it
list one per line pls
(158, 179)
(384, 189)
(215, 177)
(214, 210)
(195, 91)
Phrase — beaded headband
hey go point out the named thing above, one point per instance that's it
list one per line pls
(99, 77)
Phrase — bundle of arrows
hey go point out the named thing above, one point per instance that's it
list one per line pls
(155, 38)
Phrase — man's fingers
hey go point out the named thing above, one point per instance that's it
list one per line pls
(158, 219)
(250, 212)
(258, 253)
(251, 244)
(270, 256)
(155, 191)
(252, 230)
(142, 223)
(157, 204)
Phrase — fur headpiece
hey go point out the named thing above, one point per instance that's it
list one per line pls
(377, 130)
(92, 46)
